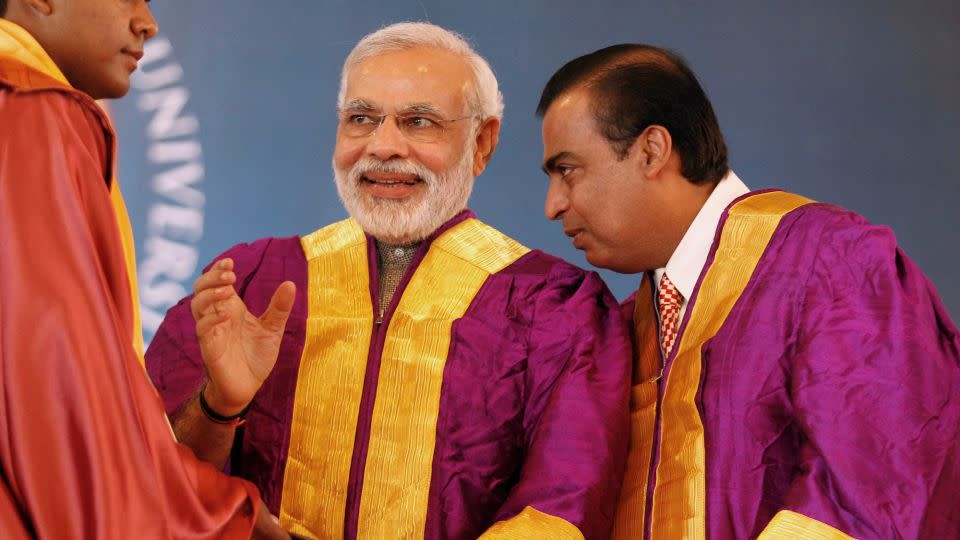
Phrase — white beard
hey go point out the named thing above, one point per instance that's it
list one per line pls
(402, 221)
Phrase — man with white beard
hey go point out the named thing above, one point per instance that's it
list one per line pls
(414, 372)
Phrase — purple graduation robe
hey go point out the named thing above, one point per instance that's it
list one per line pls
(492, 400)
(814, 391)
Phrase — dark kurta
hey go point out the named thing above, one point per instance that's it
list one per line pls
(533, 404)
(85, 448)
(831, 389)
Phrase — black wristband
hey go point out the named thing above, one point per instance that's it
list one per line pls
(214, 416)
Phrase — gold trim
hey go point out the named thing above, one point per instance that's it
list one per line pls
(632, 504)
(403, 430)
(679, 498)
(130, 256)
(788, 525)
(532, 524)
(330, 382)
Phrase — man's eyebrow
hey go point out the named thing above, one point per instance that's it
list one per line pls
(360, 105)
(551, 163)
(420, 108)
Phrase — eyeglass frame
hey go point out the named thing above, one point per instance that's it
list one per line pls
(380, 118)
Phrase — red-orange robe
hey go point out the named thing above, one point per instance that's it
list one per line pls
(85, 448)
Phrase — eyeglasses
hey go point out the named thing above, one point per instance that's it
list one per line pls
(418, 127)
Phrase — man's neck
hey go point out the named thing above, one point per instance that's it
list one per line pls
(690, 254)
(16, 42)
(393, 260)
(684, 202)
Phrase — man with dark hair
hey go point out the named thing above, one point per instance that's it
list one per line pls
(85, 451)
(795, 374)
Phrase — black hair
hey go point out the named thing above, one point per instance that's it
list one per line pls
(635, 86)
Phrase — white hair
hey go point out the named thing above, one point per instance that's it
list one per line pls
(487, 101)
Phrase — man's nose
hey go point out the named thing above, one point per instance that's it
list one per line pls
(143, 23)
(387, 141)
(556, 202)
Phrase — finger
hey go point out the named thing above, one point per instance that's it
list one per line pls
(203, 302)
(207, 301)
(221, 273)
(207, 324)
(214, 279)
(275, 317)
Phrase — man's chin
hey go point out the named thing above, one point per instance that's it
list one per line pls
(379, 205)
(614, 262)
(598, 258)
(394, 235)
(113, 88)
(391, 221)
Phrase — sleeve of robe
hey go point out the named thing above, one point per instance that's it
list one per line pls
(85, 448)
(576, 417)
(876, 391)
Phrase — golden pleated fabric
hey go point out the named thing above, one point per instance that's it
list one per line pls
(787, 525)
(679, 497)
(532, 524)
(403, 430)
(330, 382)
(130, 254)
(628, 523)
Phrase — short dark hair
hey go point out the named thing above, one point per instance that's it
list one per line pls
(635, 86)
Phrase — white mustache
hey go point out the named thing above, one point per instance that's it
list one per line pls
(366, 165)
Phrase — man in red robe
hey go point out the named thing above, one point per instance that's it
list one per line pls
(85, 448)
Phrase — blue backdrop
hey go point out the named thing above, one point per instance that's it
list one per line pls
(228, 131)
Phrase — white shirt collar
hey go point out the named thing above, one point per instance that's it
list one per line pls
(688, 259)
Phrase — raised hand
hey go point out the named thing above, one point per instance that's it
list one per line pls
(238, 348)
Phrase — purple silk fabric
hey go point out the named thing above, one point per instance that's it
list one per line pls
(176, 368)
(533, 408)
(833, 389)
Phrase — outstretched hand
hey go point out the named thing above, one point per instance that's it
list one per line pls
(239, 349)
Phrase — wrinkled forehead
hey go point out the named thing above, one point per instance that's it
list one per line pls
(425, 77)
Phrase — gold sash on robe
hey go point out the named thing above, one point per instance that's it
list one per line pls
(330, 382)
(679, 496)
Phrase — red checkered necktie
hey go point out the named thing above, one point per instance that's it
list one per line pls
(668, 300)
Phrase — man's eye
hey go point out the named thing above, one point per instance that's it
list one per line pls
(564, 170)
(361, 119)
(418, 122)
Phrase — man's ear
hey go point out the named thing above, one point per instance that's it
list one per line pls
(23, 12)
(486, 143)
(40, 7)
(654, 147)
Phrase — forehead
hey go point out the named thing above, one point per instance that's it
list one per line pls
(420, 75)
(569, 124)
